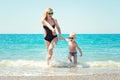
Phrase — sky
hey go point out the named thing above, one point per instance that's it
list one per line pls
(80, 16)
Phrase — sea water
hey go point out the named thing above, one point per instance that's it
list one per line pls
(25, 54)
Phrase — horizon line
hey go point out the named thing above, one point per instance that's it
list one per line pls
(58, 34)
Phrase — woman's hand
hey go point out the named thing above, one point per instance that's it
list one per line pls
(61, 38)
(53, 32)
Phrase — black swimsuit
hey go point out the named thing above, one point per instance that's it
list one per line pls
(49, 36)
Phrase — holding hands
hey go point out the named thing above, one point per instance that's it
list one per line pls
(61, 38)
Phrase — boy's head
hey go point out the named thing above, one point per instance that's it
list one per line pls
(72, 36)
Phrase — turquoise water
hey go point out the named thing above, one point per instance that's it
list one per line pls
(29, 51)
(95, 47)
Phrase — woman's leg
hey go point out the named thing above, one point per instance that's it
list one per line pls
(50, 49)
(47, 46)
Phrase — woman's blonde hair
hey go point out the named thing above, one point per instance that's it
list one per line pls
(44, 17)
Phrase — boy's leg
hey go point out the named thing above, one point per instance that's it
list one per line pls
(75, 59)
(69, 57)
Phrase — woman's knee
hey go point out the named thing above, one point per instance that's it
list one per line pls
(50, 48)
(50, 51)
(49, 56)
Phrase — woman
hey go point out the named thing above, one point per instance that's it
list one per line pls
(50, 25)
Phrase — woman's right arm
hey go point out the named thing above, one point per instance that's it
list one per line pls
(44, 22)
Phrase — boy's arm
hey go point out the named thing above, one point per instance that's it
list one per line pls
(79, 49)
(65, 39)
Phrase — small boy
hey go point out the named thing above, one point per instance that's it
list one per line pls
(72, 47)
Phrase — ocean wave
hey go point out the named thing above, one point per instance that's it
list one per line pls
(57, 64)
(104, 64)
(34, 64)
(22, 63)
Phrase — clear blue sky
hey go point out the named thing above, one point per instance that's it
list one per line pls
(80, 16)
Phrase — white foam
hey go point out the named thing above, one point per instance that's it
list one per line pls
(22, 63)
(57, 64)
(34, 64)
(104, 64)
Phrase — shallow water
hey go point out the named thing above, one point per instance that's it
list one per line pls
(25, 54)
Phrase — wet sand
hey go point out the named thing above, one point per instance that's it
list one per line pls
(96, 76)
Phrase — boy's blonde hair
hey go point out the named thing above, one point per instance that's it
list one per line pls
(72, 34)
